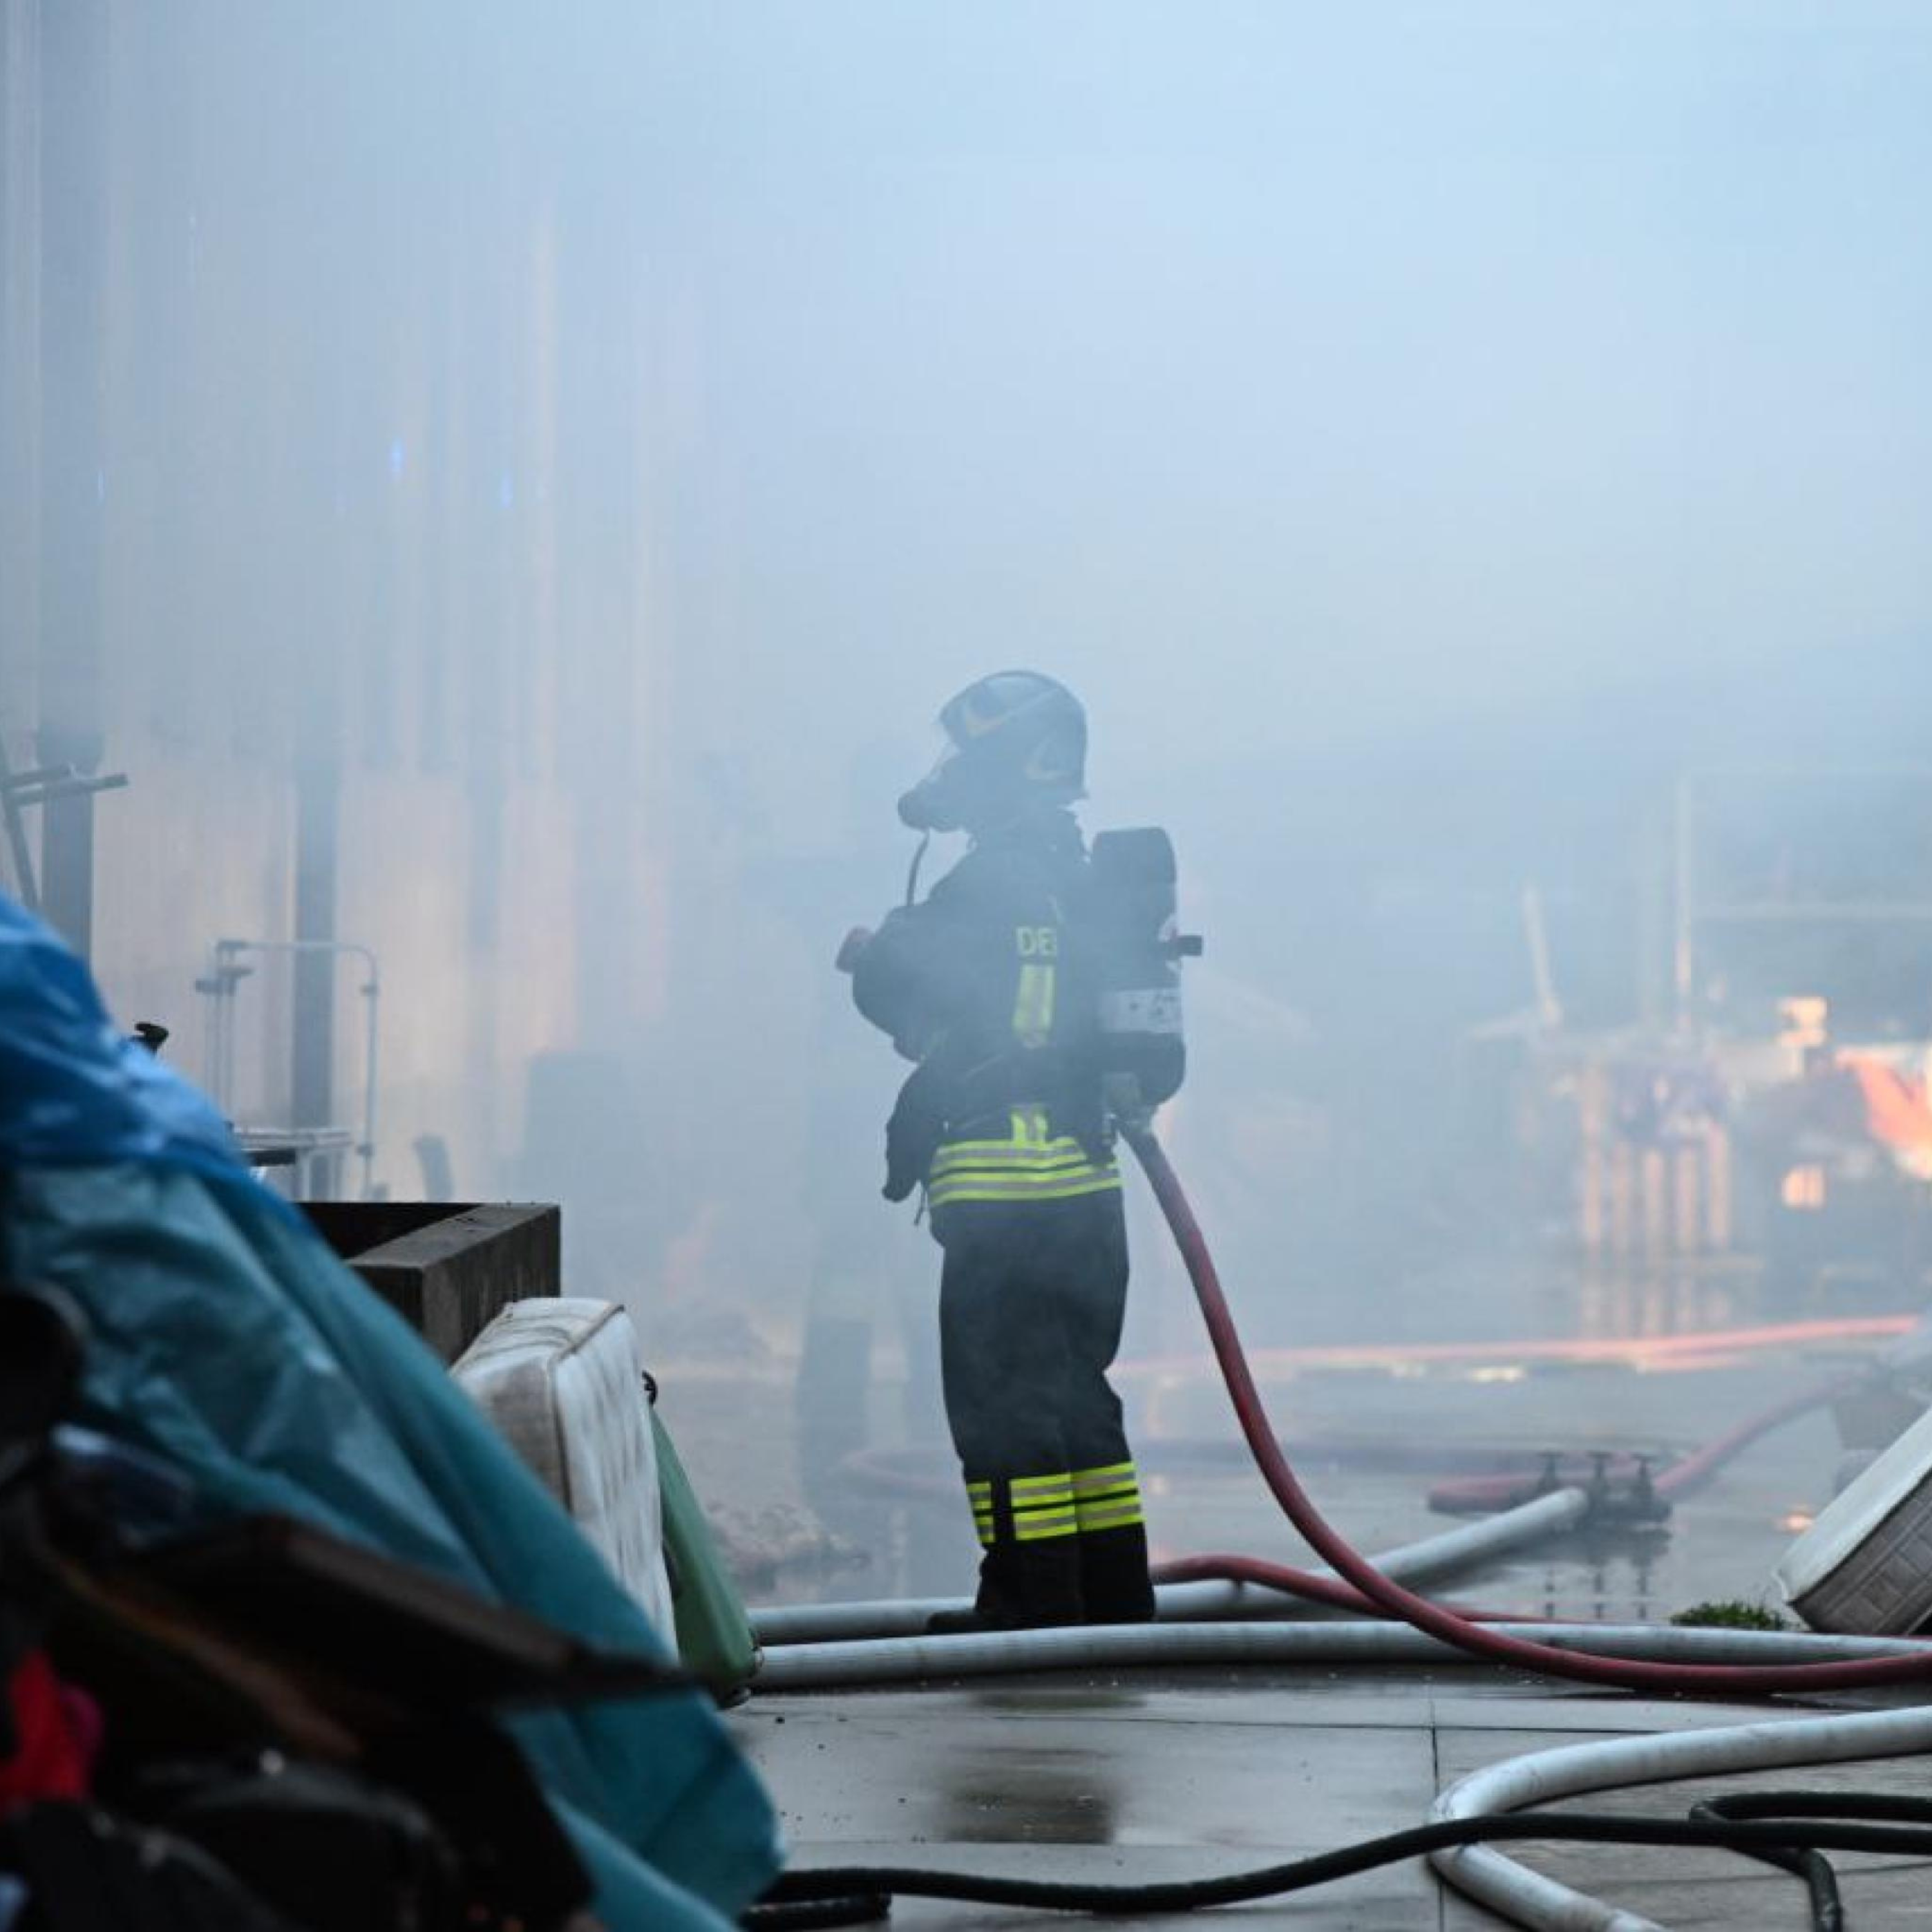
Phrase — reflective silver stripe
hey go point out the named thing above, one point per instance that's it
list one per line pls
(1059, 1483)
(1040, 1505)
(1121, 1515)
(1031, 1165)
(1108, 1477)
(1108, 1497)
(1036, 1526)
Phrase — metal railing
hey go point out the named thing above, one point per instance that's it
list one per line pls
(220, 987)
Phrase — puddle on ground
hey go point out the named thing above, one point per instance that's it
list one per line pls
(1376, 1430)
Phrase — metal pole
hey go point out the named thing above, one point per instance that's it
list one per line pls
(25, 887)
(372, 991)
(312, 1101)
(76, 137)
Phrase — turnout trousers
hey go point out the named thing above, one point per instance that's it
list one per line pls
(1032, 1297)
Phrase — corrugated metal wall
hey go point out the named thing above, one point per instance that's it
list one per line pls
(292, 538)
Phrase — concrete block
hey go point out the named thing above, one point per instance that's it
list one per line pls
(447, 1268)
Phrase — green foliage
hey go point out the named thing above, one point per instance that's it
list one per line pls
(1732, 1613)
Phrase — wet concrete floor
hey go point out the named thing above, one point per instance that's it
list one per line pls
(1374, 1440)
(1125, 1781)
(1134, 1777)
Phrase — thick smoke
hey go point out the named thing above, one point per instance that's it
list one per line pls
(510, 487)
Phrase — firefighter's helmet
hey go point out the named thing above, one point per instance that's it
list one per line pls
(1014, 739)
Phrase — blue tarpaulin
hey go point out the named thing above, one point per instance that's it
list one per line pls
(227, 1338)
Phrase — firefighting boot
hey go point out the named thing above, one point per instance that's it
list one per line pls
(1020, 1587)
(1030, 1575)
(1114, 1583)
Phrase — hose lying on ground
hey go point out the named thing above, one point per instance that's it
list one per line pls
(1197, 1588)
(1482, 1809)
(1828, 1911)
(1696, 1349)
(1454, 1839)
(1459, 1494)
(856, 1894)
(1465, 1817)
(1528, 1898)
(1499, 1643)
(1481, 1640)
(915, 1660)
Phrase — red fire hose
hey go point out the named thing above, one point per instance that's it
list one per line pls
(1419, 1612)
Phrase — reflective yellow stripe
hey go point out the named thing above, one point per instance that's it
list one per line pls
(1034, 1486)
(941, 1194)
(1032, 1165)
(1002, 1159)
(1122, 1515)
(1037, 1527)
(1012, 1160)
(1021, 1178)
(1018, 1157)
(1108, 1498)
(1033, 1005)
(1029, 1140)
(1104, 1478)
(1045, 1523)
(1037, 1507)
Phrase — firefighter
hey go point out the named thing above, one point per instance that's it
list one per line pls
(1003, 1123)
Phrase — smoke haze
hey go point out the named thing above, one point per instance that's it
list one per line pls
(512, 486)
